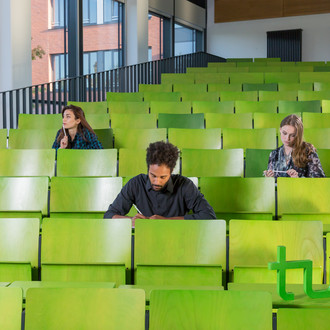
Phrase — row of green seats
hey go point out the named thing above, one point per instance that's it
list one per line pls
(111, 162)
(253, 69)
(165, 252)
(248, 77)
(194, 138)
(230, 197)
(121, 112)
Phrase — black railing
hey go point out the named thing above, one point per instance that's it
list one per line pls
(50, 97)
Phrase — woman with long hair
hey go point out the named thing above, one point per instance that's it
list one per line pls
(295, 158)
(76, 133)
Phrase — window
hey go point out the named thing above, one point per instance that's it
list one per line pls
(100, 61)
(110, 11)
(184, 40)
(59, 67)
(89, 12)
(57, 13)
(155, 37)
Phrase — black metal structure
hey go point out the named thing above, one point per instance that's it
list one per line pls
(49, 98)
(286, 44)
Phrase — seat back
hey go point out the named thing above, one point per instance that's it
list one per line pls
(19, 246)
(254, 243)
(300, 106)
(91, 250)
(240, 198)
(76, 163)
(211, 78)
(195, 138)
(324, 155)
(32, 121)
(199, 257)
(157, 107)
(199, 162)
(166, 120)
(96, 108)
(98, 121)
(105, 136)
(313, 95)
(3, 138)
(205, 309)
(282, 87)
(85, 308)
(162, 96)
(132, 162)
(213, 107)
(32, 138)
(212, 87)
(138, 138)
(281, 77)
(155, 87)
(126, 97)
(89, 196)
(228, 120)
(200, 96)
(270, 120)
(314, 76)
(27, 162)
(256, 162)
(238, 96)
(247, 77)
(183, 87)
(260, 87)
(123, 120)
(316, 120)
(277, 96)
(319, 137)
(10, 308)
(174, 78)
(253, 106)
(127, 107)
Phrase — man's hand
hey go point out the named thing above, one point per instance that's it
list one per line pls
(64, 142)
(155, 216)
(138, 216)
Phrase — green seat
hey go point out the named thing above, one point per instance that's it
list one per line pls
(80, 163)
(27, 162)
(3, 138)
(155, 87)
(289, 107)
(225, 87)
(310, 200)
(299, 68)
(169, 120)
(228, 120)
(200, 96)
(312, 95)
(211, 78)
(255, 107)
(253, 243)
(240, 198)
(240, 61)
(86, 197)
(157, 107)
(302, 318)
(105, 136)
(125, 120)
(98, 121)
(10, 308)
(259, 138)
(266, 68)
(310, 63)
(270, 120)
(138, 138)
(156, 263)
(31, 121)
(132, 162)
(200, 70)
(213, 107)
(95, 108)
(277, 96)
(24, 197)
(174, 78)
(247, 77)
(197, 309)
(231, 70)
(260, 87)
(324, 155)
(162, 96)
(324, 68)
(190, 87)
(281, 77)
(85, 308)
(199, 162)
(327, 251)
(124, 97)
(239, 96)
(316, 120)
(19, 246)
(128, 107)
(321, 86)
(32, 138)
(314, 76)
(195, 138)
(221, 64)
(284, 87)
(268, 60)
(325, 106)
(319, 137)
(90, 250)
(256, 162)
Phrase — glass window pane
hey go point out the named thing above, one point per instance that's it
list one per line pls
(185, 40)
(155, 37)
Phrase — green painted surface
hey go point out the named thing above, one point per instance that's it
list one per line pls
(321, 86)
(132, 162)
(255, 107)
(10, 308)
(281, 77)
(283, 86)
(85, 308)
(91, 107)
(256, 162)
(162, 96)
(117, 97)
(155, 87)
(195, 309)
(124, 120)
(242, 77)
(167, 120)
(319, 137)
(211, 78)
(277, 96)
(270, 120)
(316, 120)
(239, 96)
(289, 107)
(313, 95)
(34, 121)
(213, 107)
(98, 121)
(32, 138)
(261, 87)
(228, 120)
(324, 155)
(182, 87)
(314, 76)
(174, 78)
(200, 96)
(80, 163)
(127, 107)
(3, 138)
(157, 107)
(212, 87)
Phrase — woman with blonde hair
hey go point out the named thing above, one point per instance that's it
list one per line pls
(76, 133)
(295, 158)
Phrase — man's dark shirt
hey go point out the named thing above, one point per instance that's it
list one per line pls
(176, 199)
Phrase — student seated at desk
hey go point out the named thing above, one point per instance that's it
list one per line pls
(295, 158)
(76, 133)
(161, 194)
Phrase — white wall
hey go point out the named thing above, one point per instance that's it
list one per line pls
(249, 38)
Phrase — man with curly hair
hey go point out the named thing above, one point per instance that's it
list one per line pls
(161, 194)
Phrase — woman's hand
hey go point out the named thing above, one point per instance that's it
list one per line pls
(292, 173)
(269, 173)
(64, 143)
